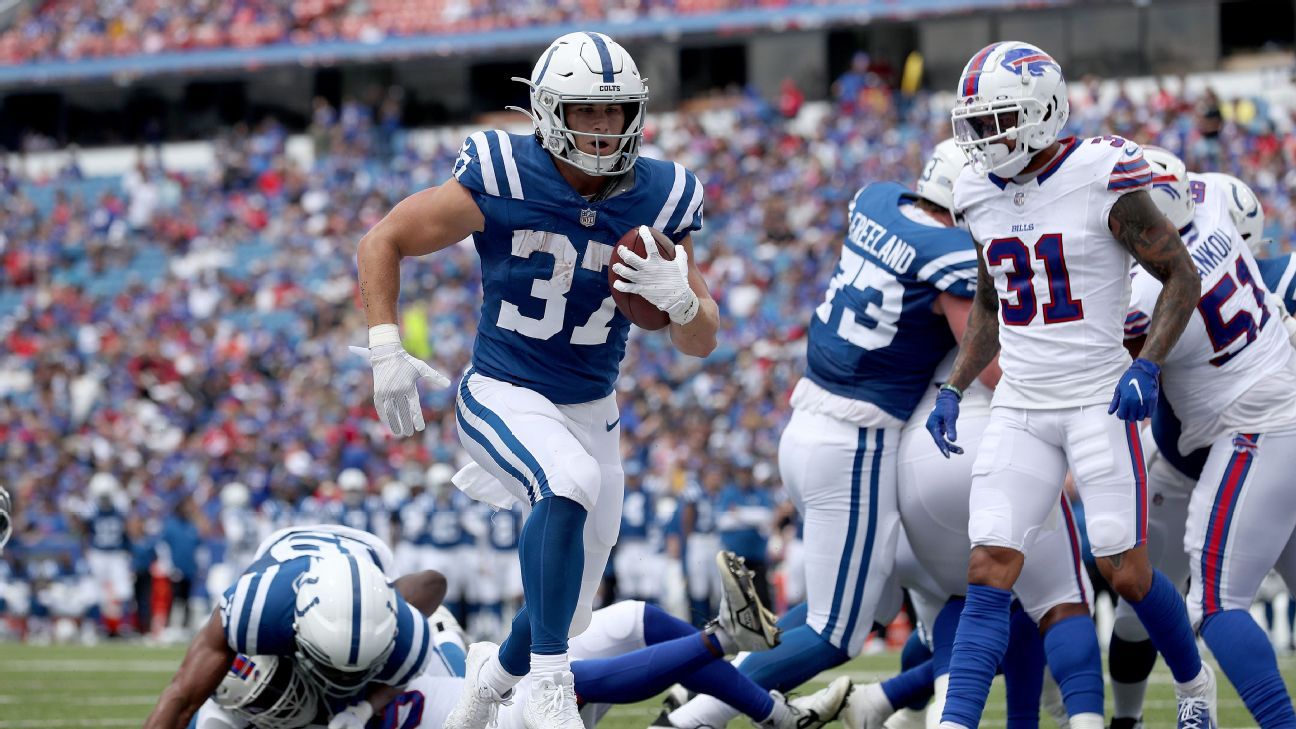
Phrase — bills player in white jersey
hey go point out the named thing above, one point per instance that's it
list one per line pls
(536, 410)
(324, 596)
(1056, 223)
(1230, 387)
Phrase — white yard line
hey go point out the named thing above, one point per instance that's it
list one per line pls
(43, 665)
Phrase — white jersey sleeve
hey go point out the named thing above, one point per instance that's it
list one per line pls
(1060, 275)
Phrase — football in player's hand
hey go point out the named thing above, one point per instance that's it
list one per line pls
(635, 307)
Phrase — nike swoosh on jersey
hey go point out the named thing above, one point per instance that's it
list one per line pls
(612, 424)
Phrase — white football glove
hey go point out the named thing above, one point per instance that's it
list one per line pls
(663, 283)
(396, 374)
(353, 717)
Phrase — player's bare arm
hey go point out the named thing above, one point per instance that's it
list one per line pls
(422, 223)
(980, 343)
(201, 671)
(1151, 238)
(958, 311)
(424, 590)
(698, 337)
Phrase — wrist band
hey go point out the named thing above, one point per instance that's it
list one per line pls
(383, 334)
(958, 394)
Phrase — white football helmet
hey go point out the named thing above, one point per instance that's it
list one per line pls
(103, 485)
(588, 68)
(1012, 103)
(1170, 186)
(346, 622)
(438, 476)
(235, 495)
(1244, 206)
(352, 480)
(266, 692)
(936, 185)
(6, 518)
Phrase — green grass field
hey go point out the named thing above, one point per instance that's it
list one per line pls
(116, 685)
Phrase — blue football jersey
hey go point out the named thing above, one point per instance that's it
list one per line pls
(636, 516)
(548, 321)
(107, 529)
(704, 515)
(875, 337)
(504, 529)
(444, 527)
(259, 610)
(1279, 276)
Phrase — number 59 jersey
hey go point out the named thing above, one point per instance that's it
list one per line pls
(1061, 276)
(548, 322)
(1233, 368)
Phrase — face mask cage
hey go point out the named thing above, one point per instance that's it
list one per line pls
(982, 131)
(286, 700)
(335, 681)
(548, 113)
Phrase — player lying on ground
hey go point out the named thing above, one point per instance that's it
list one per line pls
(632, 651)
(325, 597)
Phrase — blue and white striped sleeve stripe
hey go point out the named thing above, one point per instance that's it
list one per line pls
(1136, 323)
(1131, 174)
(682, 211)
(244, 609)
(414, 650)
(957, 270)
(486, 163)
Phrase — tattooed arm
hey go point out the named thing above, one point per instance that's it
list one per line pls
(1140, 227)
(981, 338)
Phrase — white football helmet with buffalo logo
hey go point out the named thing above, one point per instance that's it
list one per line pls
(1170, 186)
(587, 68)
(1012, 103)
(267, 693)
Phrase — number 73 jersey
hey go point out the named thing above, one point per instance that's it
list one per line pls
(1061, 277)
(1233, 367)
(548, 322)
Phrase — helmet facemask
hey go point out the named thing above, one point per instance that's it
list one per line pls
(549, 114)
(983, 129)
(268, 693)
(336, 682)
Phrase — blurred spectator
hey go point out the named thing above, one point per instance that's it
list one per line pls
(181, 536)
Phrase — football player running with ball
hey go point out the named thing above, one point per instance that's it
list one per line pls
(536, 410)
(1056, 223)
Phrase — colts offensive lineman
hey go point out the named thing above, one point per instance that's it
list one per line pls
(900, 296)
(1230, 386)
(1056, 222)
(536, 409)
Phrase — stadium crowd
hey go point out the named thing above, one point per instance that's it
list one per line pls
(179, 333)
(79, 29)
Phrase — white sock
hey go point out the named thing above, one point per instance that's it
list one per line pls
(549, 664)
(1086, 721)
(779, 715)
(1127, 699)
(703, 710)
(875, 701)
(940, 689)
(722, 636)
(1194, 687)
(493, 675)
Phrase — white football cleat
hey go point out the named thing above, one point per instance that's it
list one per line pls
(815, 710)
(552, 703)
(478, 704)
(1198, 710)
(742, 616)
(867, 707)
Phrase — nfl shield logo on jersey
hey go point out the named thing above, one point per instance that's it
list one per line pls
(587, 218)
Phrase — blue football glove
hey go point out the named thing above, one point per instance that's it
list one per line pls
(1136, 393)
(941, 423)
